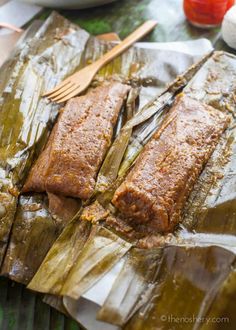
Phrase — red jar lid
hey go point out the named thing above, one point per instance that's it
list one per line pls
(206, 12)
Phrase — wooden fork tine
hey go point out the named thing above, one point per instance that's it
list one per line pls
(69, 96)
(65, 91)
(62, 91)
(63, 94)
(59, 88)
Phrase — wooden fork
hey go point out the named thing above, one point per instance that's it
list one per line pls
(78, 82)
(10, 27)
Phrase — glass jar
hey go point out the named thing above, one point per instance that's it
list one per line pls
(206, 13)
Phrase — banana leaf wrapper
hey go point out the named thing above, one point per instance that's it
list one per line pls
(33, 225)
(139, 67)
(207, 244)
(136, 133)
(215, 176)
(123, 316)
(134, 283)
(178, 84)
(36, 63)
(55, 302)
(93, 256)
(207, 233)
(40, 230)
(8, 195)
(107, 175)
(210, 209)
(182, 287)
(7, 212)
(222, 307)
(187, 283)
(74, 238)
(33, 68)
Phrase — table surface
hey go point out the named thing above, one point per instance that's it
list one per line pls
(19, 308)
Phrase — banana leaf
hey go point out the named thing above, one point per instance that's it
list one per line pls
(187, 282)
(106, 176)
(8, 195)
(194, 262)
(136, 133)
(206, 237)
(60, 258)
(93, 256)
(219, 171)
(215, 83)
(138, 66)
(56, 50)
(8, 67)
(55, 302)
(132, 285)
(27, 238)
(222, 308)
(7, 212)
(210, 208)
(99, 255)
(209, 213)
(33, 69)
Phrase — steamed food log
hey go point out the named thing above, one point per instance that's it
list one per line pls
(79, 141)
(154, 192)
(63, 208)
(36, 180)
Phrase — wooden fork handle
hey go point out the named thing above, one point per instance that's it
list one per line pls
(10, 27)
(126, 43)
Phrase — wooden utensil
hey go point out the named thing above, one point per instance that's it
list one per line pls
(7, 41)
(13, 15)
(109, 37)
(10, 27)
(79, 81)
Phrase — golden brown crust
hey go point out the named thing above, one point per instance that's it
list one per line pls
(36, 179)
(78, 143)
(63, 208)
(157, 187)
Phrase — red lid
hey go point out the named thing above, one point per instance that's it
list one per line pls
(207, 12)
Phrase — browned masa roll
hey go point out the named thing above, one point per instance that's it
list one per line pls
(155, 191)
(78, 143)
